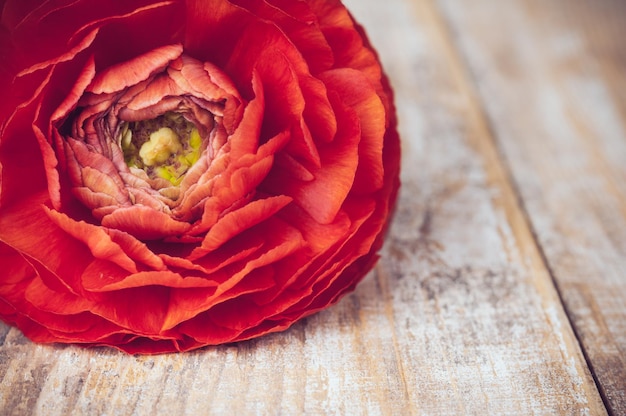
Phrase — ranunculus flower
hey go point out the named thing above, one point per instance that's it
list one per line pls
(182, 173)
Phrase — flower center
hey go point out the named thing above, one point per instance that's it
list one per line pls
(164, 147)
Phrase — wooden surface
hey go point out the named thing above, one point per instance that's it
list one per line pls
(502, 287)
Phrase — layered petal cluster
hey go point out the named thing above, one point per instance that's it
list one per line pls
(183, 173)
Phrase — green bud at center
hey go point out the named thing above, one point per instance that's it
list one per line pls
(162, 144)
(164, 147)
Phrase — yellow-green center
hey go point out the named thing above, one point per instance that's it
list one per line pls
(164, 147)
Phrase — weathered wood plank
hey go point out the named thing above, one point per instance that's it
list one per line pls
(551, 75)
(482, 259)
(460, 316)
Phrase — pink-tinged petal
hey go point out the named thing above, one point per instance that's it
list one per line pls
(219, 78)
(134, 181)
(100, 182)
(105, 171)
(147, 197)
(153, 111)
(162, 86)
(195, 77)
(90, 110)
(144, 223)
(356, 92)
(96, 201)
(95, 238)
(239, 220)
(125, 74)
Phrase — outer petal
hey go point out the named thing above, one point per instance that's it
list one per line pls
(110, 245)
(323, 196)
(357, 93)
(242, 219)
(213, 27)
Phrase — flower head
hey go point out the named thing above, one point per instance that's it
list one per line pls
(182, 173)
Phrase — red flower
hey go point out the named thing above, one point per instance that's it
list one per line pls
(175, 173)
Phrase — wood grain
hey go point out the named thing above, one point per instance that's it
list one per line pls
(551, 75)
(461, 316)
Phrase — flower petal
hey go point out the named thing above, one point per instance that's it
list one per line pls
(144, 223)
(213, 27)
(131, 72)
(67, 56)
(60, 303)
(110, 245)
(241, 219)
(27, 229)
(356, 92)
(15, 267)
(323, 196)
(141, 310)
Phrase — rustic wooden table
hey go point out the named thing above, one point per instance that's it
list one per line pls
(502, 287)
